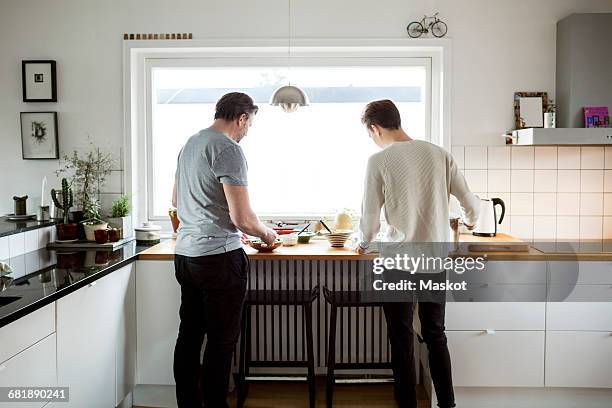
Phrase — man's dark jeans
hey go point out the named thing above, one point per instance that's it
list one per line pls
(212, 294)
(399, 322)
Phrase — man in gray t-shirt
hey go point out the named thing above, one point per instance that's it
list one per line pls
(213, 207)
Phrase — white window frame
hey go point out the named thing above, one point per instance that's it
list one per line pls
(141, 57)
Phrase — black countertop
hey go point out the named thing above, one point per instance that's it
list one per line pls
(51, 275)
(15, 227)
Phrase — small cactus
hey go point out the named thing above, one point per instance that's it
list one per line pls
(67, 199)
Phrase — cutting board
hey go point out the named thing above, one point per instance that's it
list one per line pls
(498, 243)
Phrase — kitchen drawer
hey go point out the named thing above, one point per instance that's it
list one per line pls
(495, 316)
(584, 314)
(578, 359)
(485, 292)
(500, 359)
(580, 273)
(509, 272)
(22, 333)
(33, 367)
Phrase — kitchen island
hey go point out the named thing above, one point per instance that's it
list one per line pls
(535, 328)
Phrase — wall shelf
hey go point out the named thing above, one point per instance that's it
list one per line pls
(562, 136)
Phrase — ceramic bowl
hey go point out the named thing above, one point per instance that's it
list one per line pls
(304, 237)
(289, 239)
(261, 246)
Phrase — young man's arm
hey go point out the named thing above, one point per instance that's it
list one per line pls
(470, 203)
(373, 200)
(243, 216)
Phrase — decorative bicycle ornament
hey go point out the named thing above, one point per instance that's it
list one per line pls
(431, 24)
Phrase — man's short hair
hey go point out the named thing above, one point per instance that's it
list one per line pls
(234, 104)
(383, 113)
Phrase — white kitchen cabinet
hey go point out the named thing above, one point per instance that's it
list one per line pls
(497, 359)
(88, 333)
(580, 273)
(32, 367)
(579, 359)
(23, 333)
(158, 298)
(125, 331)
(495, 316)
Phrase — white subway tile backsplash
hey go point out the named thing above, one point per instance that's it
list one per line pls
(522, 227)
(498, 180)
(546, 157)
(607, 210)
(608, 158)
(607, 228)
(545, 204)
(458, 153)
(506, 225)
(476, 179)
(499, 157)
(522, 204)
(568, 227)
(545, 181)
(31, 241)
(608, 181)
(591, 227)
(592, 157)
(4, 248)
(568, 181)
(592, 181)
(568, 204)
(522, 157)
(521, 181)
(475, 157)
(545, 228)
(568, 157)
(16, 245)
(591, 204)
(45, 235)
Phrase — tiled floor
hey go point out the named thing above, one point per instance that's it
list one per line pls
(295, 395)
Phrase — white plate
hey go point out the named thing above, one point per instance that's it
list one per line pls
(65, 241)
(13, 217)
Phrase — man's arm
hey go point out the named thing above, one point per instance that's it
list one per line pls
(174, 195)
(470, 203)
(243, 216)
(373, 200)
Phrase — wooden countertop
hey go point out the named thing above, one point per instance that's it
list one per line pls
(320, 249)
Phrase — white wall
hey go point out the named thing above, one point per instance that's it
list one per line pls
(498, 47)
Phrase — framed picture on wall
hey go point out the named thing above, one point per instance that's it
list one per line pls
(39, 81)
(39, 140)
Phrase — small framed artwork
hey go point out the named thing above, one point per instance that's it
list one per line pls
(39, 81)
(529, 108)
(39, 140)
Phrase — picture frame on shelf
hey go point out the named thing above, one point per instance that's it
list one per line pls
(39, 80)
(529, 108)
(39, 136)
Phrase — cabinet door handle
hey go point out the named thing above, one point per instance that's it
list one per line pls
(489, 332)
(92, 284)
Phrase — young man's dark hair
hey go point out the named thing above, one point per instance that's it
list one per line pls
(383, 113)
(234, 104)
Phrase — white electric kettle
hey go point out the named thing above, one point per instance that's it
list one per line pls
(486, 226)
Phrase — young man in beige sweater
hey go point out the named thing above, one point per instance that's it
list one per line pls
(413, 181)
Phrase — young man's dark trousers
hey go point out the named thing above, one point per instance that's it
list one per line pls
(399, 316)
(212, 295)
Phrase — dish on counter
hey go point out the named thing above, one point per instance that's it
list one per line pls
(261, 246)
(13, 217)
(289, 239)
(304, 237)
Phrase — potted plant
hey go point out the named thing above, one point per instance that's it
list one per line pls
(174, 219)
(550, 115)
(65, 231)
(120, 218)
(93, 221)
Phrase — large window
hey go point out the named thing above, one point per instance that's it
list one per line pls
(301, 164)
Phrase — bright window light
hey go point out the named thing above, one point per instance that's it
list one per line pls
(310, 162)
